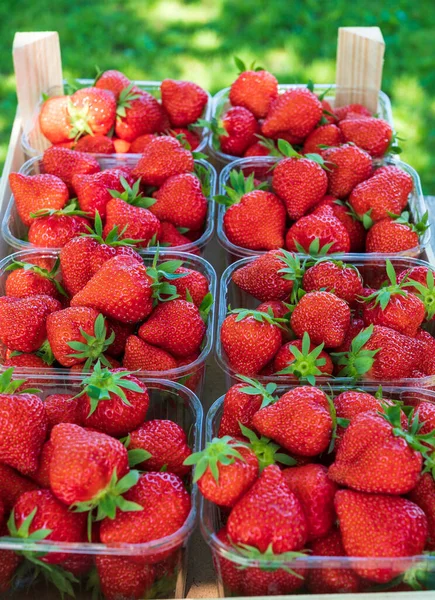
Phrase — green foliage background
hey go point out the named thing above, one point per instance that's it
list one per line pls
(296, 40)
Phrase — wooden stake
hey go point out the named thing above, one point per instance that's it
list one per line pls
(360, 57)
(38, 68)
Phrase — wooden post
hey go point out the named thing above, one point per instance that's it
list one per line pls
(360, 57)
(38, 67)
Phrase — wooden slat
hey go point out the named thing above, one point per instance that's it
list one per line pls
(360, 58)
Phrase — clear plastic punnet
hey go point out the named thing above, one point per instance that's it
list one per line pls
(15, 232)
(161, 563)
(228, 561)
(191, 375)
(373, 271)
(221, 103)
(33, 141)
(261, 166)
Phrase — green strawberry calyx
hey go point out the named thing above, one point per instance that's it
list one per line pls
(305, 364)
(102, 384)
(426, 293)
(365, 218)
(266, 451)
(136, 456)
(315, 250)
(260, 317)
(286, 150)
(220, 451)
(336, 422)
(254, 388)
(10, 386)
(125, 99)
(357, 361)
(242, 66)
(205, 306)
(94, 346)
(383, 296)
(114, 238)
(270, 557)
(204, 176)
(50, 275)
(45, 353)
(293, 270)
(419, 226)
(132, 194)
(217, 128)
(240, 186)
(79, 120)
(162, 274)
(69, 210)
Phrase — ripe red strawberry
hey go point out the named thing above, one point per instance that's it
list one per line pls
(351, 403)
(181, 201)
(399, 181)
(39, 510)
(107, 393)
(235, 131)
(329, 580)
(297, 111)
(55, 120)
(394, 235)
(224, 470)
(324, 316)
(299, 421)
(93, 191)
(97, 144)
(379, 525)
(121, 577)
(300, 183)
(349, 166)
(424, 496)
(162, 158)
(339, 278)
(184, 101)
(166, 505)
(189, 139)
(250, 339)
(303, 360)
(27, 279)
(327, 108)
(240, 405)
(320, 230)
(112, 80)
(25, 360)
(140, 356)
(256, 149)
(271, 276)
(74, 447)
(62, 408)
(426, 416)
(428, 353)
(37, 192)
(12, 486)
(325, 135)
(355, 229)
(170, 236)
(342, 112)
(372, 135)
(418, 274)
(138, 112)
(315, 491)
(122, 332)
(244, 222)
(23, 321)
(176, 326)
(65, 163)
(254, 90)
(193, 282)
(139, 144)
(92, 110)
(130, 298)
(54, 228)
(269, 516)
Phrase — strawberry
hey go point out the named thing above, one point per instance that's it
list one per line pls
(328, 112)
(23, 321)
(320, 231)
(112, 392)
(37, 192)
(189, 139)
(250, 339)
(232, 577)
(23, 425)
(272, 276)
(27, 279)
(349, 166)
(324, 316)
(122, 332)
(25, 360)
(170, 236)
(342, 112)
(271, 581)
(162, 158)
(355, 229)
(355, 327)
(244, 222)
(395, 235)
(325, 135)
(254, 90)
(165, 507)
(193, 283)
(9, 563)
(334, 276)
(426, 415)
(269, 516)
(39, 512)
(329, 580)
(181, 201)
(399, 181)
(12, 486)
(379, 525)
(78, 335)
(224, 470)
(162, 443)
(112, 80)
(121, 146)
(234, 132)
(372, 135)
(297, 111)
(256, 149)
(299, 421)
(315, 491)
(138, 112)
(184, 101)
(241, 402)
(121, 577)
(428, 353)
(351, 403)
(303, 360)
(65, 163)
(417, 274)
(55, 120)
(140, 356)
(139, 144)
(93, 191)
(423, 495)
(42, 474)
(176, 326)
(54, 228)
(96, 144)
(130, 298)
(62, 408)
(299, 182)
(92, 110)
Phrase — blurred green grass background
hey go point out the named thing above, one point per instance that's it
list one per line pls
(191, 39)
